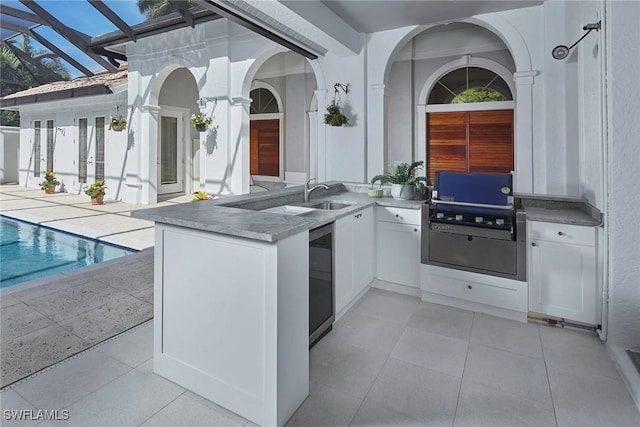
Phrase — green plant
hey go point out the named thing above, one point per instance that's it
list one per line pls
(50, 180)
(403, 173)
(96, 189)
(201, 120)
(201, 195)
(117, 122)
(334, 116)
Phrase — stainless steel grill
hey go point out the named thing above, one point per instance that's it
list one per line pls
(472, 226)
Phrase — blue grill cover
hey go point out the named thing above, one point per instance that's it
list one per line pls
(483, 188)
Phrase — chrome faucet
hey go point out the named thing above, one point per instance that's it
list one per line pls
(308, 191)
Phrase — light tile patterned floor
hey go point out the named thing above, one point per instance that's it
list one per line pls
(390, 361)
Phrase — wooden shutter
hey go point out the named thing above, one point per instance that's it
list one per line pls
(470, 141)
(264, 147)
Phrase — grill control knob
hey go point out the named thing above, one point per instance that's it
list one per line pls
(479, 219)
(440, 215)
(499, 221)
(459, 217)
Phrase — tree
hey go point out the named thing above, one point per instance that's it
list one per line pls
(475, 94)
(18, 75)
(155, 8)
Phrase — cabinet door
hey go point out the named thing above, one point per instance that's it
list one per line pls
(364, 255)
(399, 253)
(343, 261)
(562, 280)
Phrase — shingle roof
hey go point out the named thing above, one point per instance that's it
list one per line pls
(100, 83)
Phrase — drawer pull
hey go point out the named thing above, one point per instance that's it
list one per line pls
(469, 286)
(415, 229)
(560, 233)
(534, 244)
(397, 216)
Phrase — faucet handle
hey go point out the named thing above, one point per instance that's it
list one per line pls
(309, 181)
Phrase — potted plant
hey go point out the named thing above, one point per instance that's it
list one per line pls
(96, 191)
(334, 116)
(117, 123)
(49, 183)
(403, 180)
(201, 121)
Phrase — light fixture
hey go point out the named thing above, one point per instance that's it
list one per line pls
(562, 51)
(202, 102)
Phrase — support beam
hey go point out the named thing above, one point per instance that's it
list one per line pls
(240, 20)
(183, 9)
(78, 39)
(23, 56)
(17, 13)
(46, 43)
(114, 18)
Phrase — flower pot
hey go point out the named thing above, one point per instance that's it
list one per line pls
(50, 190)
(98, 200)
(117, 128)
(201, 127)
(403, 191)
(375, 192)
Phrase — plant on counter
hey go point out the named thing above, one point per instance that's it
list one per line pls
(202, 195)
(49, 183)
(334, 116)
(403, 180)
(117, 123)
(96, 191)
(201, 121)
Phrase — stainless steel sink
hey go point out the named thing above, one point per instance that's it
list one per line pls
(328, 205)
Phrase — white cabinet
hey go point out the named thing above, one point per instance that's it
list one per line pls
(398, 254)
(354, 255)
(562, 271)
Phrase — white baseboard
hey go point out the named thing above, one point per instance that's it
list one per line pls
(628, 372)
(352, 303)
(396, 287)
(295, 178)
(473, 306)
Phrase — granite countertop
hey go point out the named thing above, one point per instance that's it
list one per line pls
(242, 215)
(559, 209)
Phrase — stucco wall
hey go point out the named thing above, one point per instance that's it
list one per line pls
(622, 31)
(9, 154)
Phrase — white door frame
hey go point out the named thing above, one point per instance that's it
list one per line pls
(184, 171)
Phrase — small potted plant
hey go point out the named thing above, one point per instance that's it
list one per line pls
(96, 191)
(403, 180)
(334, 116)
(201, 195)
(201, 121)
(49, 183)
(117, 123)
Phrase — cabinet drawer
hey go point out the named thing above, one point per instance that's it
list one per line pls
(399, 215)
(562, 233)
(507, 295)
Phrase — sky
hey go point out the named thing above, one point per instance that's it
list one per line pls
(81, 16)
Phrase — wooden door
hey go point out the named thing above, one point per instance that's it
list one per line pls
(470, 141)
(264, 149)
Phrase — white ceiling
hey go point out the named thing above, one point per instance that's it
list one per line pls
(369, 16)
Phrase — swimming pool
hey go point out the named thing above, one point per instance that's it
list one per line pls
(29, 252)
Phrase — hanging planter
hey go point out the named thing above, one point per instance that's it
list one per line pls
(201, 121)
(117, 123)
(334, 116)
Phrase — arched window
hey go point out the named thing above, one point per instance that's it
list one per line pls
(469, 85)
(263, 101)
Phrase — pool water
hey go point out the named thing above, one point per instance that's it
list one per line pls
(29, 252)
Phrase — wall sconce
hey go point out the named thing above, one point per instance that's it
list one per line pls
(562, 51)
(202, 102)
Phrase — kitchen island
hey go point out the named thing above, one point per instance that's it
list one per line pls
(231, 295)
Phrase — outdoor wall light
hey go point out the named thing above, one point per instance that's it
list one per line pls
(562, 51)
(202, 102)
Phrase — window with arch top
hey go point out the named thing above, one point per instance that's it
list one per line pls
(469, 85)
(263, 101)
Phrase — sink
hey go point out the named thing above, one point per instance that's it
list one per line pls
(289, 210)
(328, 205)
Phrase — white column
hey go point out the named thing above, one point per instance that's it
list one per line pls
(377, 131)
(523, 147)
(321, 97)
(237, 175)
(146, 181)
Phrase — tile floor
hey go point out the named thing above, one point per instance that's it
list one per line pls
(392, 360)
